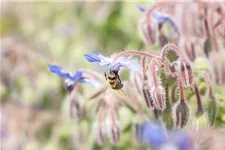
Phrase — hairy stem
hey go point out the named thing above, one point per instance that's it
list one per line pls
(167, 93)
(199, 103)
(181, 89)
(174, 93)
(172, 47)
(144, 68)
(154, 78)
(134, 52)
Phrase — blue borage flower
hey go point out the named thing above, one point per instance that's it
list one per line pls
(72, 79)
(153, 134)
(161, 18)
(182, 140)
(127, 62)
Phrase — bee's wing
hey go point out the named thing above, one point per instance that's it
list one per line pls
(120, 93)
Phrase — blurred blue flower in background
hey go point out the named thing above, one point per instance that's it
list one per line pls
(182, 140)
(161, 18)
(72, 79)
(153, 134)
(142, 9)
(127, 62)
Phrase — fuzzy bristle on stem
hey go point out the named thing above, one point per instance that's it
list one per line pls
(134, 52)
(144, 67)
(153, 65)
(147, 96)
(174, 89)
(199, 103)
(172, 47)
(181, 89)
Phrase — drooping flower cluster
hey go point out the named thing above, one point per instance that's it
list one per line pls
(151, 80)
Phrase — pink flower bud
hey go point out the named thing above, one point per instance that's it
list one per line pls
(113, 130)
(158, 97)
(75, 109)
(147, 96)
(181, 114)
(186, 72)
(189, 46)
(99, 132)
(137, 80)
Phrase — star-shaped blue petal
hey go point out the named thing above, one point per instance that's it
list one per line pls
(127, 62)
(72, 79)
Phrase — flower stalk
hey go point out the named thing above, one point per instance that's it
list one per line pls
(134, 52)
(199, 102)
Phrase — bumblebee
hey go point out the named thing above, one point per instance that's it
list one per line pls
(113, 80)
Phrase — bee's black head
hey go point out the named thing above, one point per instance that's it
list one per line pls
(112, 75)
(113, 72)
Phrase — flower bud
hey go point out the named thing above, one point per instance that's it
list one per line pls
(113, 130)
(75, 109)
(158, 97)
(211, 108)
(137, 81)
(146, 93)
(200, 121)
(189, 47)
(99, 132)
(186, 72)
(167, 117)
(181, 114)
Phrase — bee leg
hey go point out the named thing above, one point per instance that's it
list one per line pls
(105, 90)
(119, 79)
(105, 76)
